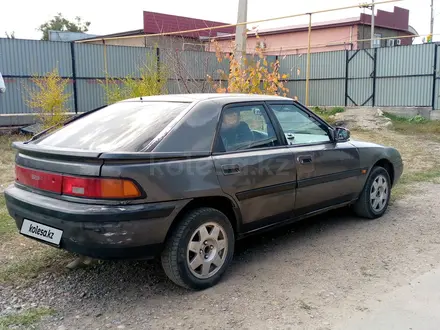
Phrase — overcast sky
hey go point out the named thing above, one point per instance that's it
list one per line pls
(23, 17)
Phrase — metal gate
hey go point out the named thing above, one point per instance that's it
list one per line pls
(360, 79)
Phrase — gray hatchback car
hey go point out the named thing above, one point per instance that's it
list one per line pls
(182, 177)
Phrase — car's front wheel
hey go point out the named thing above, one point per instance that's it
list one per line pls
(199, 249)
(375, 197)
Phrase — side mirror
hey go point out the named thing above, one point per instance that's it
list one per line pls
(341, 134)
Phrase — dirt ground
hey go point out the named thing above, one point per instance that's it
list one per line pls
(312, 275)
(315, 274)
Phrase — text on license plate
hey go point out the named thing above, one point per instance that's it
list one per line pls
(40, 231)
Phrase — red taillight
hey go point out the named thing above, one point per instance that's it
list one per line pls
(99, 188)
(84, 187)
(39, 179)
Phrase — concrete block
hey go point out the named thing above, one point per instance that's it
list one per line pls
(425, 112)
(407, 112)
(22, 119)
(435, 115)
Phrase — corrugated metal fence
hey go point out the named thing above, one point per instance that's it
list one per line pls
(404, 76)
(397, 76)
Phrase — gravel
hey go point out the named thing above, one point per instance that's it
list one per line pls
(364, 118)
(309, 275)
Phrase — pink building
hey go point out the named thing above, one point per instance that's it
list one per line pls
(350, 33)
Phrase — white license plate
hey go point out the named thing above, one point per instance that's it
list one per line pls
(42, 232)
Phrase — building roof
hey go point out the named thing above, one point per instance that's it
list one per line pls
(315, 26)
(412, 30)
(67, 36)
(299, 27)
(163, 23)
(396, 20)
(118, 34)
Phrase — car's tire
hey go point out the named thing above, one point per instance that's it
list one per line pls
(207, 231)
(374, 199)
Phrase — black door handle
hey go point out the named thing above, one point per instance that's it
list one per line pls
(305, 159)
(230, 169)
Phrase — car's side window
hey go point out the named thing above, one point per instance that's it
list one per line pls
(245, 127)
(298, 126)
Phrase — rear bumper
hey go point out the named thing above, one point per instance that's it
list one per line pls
(98, 231)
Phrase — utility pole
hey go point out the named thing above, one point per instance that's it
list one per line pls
(372, 24)
(308, 60)
(431, 31)
(241, 31)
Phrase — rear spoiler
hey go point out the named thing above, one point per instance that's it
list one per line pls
(63, 153)
(50, 152)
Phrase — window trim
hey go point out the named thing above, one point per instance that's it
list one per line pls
(330, 129)
(280, 136)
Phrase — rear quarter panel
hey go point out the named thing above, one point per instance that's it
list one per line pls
(169, 180)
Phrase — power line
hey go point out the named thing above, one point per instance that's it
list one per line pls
(237, 24)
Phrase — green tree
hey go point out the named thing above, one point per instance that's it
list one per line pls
(60, 23)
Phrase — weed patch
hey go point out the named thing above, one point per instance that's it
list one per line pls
(25, 318)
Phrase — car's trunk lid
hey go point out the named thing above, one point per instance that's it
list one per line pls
(42, 167)
(58, 160)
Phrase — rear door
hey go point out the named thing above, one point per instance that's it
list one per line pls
(328, 172)
(258, 174)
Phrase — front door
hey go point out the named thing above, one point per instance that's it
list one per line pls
(328, 172)
(253, 167)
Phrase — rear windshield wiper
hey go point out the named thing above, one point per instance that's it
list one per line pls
(68, 121)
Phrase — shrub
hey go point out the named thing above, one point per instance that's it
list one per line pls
(254, 75)
(150, 82)
(336, 110)
(328, 114)
(417, 119)
(49, 98)
(415, 125)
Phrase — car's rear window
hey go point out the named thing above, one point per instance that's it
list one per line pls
(126, 126)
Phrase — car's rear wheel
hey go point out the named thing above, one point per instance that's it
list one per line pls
(375, 197)
(199, 249)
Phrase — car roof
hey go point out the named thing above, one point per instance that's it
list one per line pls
(207, 96)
